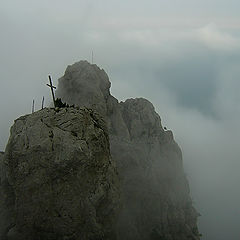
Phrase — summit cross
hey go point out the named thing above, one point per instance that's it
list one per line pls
(52, 87)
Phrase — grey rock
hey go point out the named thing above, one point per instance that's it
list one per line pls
(86, 85)
(156, 196)
(89, 90)
(7, 198)
(62, 179)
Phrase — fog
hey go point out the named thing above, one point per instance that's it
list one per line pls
(183, 56)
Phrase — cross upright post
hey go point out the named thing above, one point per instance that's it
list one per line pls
(33, 106)
(42, 102)
(52, 87)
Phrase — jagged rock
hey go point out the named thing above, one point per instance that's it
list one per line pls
(156, 198)
(63, 181)
(157, 204)
(90, 89)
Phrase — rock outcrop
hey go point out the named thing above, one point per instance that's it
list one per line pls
(156, 198)
(59, 178)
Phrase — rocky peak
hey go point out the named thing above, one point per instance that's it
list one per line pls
(89, 86)
(140, 118)
(156, 200)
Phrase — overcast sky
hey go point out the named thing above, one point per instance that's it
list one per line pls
(184, 56)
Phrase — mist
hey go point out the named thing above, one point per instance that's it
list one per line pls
(182, 57)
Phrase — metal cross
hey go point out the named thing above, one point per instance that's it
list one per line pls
(52, 87)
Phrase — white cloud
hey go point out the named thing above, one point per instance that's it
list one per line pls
(214, 38)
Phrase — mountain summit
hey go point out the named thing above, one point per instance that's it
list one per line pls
(155, 191)
(101, 170)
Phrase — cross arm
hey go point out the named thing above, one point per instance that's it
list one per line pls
(51, 86)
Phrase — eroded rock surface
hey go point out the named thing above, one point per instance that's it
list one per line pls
(157, 203)
(60, 178)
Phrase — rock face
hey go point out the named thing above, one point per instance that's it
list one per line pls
(59, 177)
(156, 198)
(6, 201)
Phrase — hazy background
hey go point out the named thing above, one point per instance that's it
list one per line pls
(184, 56)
